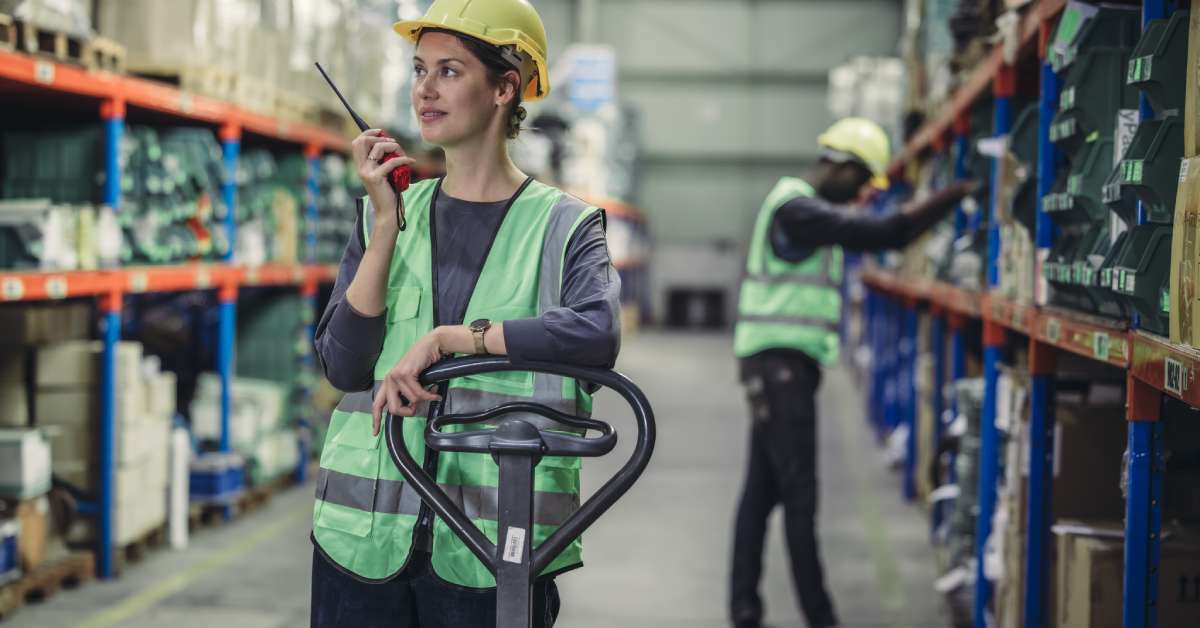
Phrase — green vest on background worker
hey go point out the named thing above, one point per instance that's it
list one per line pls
(789, 310)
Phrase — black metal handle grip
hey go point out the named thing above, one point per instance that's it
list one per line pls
(581, 519)
(552, 443)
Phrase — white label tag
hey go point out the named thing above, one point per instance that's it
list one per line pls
(1173, 376)
(1183, 169)
(1127, 124)
(43, 72)
(514, 545)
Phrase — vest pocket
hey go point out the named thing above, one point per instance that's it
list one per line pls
(347, 499)
(403, 303)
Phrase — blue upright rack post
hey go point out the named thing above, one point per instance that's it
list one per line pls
(112, 111)
(937, 349)
(230, 135)
(1143, 505)
(1004, 87)
(312, 154)
(908, 383)
(1040, 498)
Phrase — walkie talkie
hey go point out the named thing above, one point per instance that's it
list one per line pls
(401, 176)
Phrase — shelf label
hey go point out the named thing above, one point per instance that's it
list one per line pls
(203, 279)
(1053, 330)
(1101, 344)
(252, 276)
(13, 289)
(43, 72)
(56, 287)
(185, 102)
(1173, 376)
(1139, 69)
(138, 282)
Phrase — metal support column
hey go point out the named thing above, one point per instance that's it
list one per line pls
(227, 326)
(112, 111)
(1040, 498)
(231, 141)
(1143, 505)
(909, 395)
(989, 462)
(937, 349)
(1003, 88)
(1047, 168)
(312, 154)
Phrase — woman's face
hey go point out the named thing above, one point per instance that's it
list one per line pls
(452, 96)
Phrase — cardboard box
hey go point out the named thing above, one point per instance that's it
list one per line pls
(24, 463)
(160, 396)
(34, 517)
(1184, 253)
(81, 406)
(35, 324)
(1090, 440)
(1090, 581)
(76, 363)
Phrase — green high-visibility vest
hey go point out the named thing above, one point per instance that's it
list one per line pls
(365, 514)
(786, 305)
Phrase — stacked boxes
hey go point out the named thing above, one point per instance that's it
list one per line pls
(66, 408)
(257, 423)
(1185, 251)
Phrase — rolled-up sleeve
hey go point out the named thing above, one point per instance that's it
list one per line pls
(347, 342)
(586, 329)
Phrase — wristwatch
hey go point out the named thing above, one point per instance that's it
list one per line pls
(478, 329)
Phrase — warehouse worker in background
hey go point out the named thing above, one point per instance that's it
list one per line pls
(788, 314)
(522, 264)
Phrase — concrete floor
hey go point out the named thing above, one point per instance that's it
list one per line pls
(659, 557)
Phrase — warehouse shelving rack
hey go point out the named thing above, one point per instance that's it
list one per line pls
(34, 79)
(1153, 366)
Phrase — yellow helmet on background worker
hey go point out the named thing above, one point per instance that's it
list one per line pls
(864, 140)
(497, 22)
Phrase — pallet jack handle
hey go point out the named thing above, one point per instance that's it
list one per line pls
(518, 445)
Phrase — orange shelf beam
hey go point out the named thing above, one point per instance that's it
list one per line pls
(1166, 367)
(146, 94)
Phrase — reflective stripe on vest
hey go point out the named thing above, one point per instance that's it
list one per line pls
(782, 304)
(365, 513)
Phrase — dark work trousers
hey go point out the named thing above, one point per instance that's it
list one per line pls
(415, 599)
(781, 386)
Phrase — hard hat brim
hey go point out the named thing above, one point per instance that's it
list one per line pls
(539, 85)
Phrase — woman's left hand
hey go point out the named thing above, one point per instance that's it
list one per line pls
(401, 384)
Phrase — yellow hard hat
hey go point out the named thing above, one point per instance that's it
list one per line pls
(866, 141)
(498, 22)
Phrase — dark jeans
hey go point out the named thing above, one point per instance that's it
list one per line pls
(415, 599)
(781, 386)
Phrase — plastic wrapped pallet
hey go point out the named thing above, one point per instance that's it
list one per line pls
(24, 463)
(73, 17)
(181, 33)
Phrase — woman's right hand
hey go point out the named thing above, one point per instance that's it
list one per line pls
(368, 148)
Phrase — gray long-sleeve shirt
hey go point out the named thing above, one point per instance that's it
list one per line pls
(584, 330)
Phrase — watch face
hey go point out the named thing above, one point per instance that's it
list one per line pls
(480, 324)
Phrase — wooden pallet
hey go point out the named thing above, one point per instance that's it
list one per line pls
(211, 515)
(136, 550)
(105, 55)
(44, 581)
(201, 80)
(48, 42)
(8, 33)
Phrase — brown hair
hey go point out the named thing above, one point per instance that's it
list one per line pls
(497, 68)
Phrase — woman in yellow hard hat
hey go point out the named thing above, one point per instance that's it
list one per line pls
(481, 261)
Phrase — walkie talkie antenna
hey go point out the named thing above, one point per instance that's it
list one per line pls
(362, 124)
